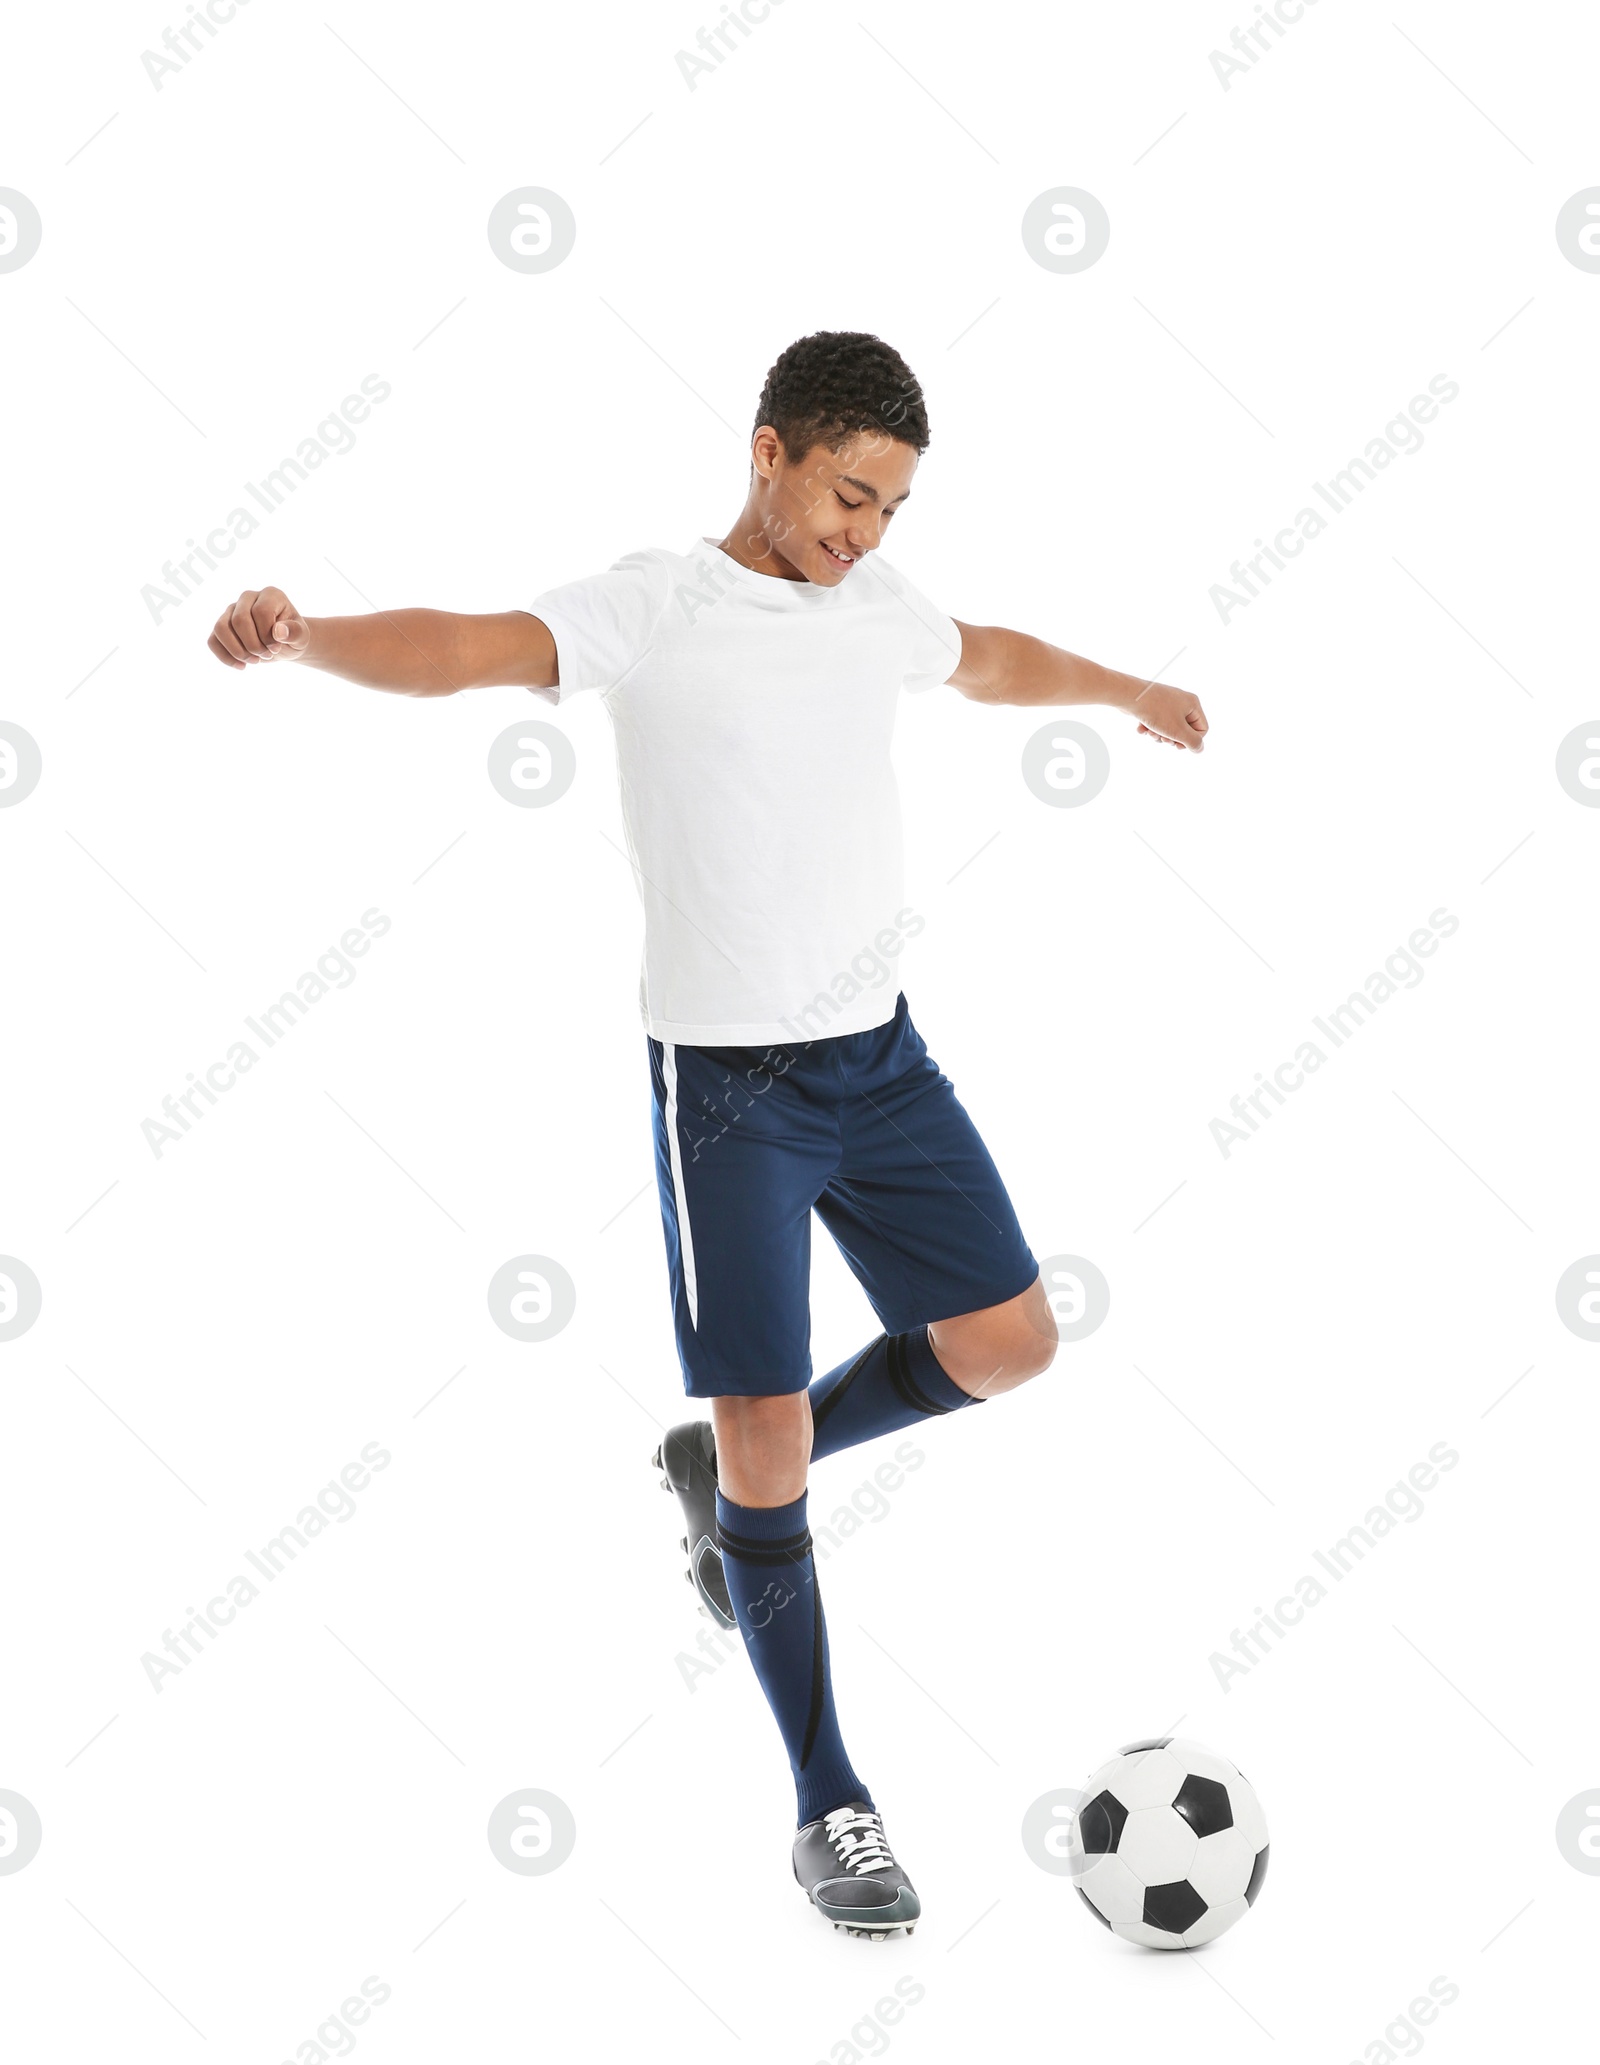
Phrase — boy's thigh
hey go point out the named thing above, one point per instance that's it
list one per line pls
(740, 1159)
(918, 1208)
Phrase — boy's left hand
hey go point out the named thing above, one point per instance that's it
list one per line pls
(1172, 716)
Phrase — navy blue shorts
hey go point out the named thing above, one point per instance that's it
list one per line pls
(866, 1131)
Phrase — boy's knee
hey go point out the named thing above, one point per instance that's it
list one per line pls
(1004, 1346)
(1038, 1338)
(1033, 1353)
(763, 1447)
(1022, 1352)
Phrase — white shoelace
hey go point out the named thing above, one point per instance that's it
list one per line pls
(858, 1840)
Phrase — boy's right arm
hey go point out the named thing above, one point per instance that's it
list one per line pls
(419, 652)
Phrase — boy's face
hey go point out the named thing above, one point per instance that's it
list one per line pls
(821, 514)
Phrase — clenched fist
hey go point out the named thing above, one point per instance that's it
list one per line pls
(1170, 716)
(262, 625)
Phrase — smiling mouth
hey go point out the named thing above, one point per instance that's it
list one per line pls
(838, 558)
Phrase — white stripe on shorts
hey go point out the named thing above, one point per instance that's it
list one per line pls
(669, 1068)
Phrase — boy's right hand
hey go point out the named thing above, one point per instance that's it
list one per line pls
(262, 625)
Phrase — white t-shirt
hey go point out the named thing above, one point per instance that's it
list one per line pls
(753, 718)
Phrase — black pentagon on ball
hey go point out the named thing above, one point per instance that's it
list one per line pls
(1100, 1824)
(1104, 1920)
(1151, 1742)
(1258, 1872)
(1204, 1804)
(1175, 1907)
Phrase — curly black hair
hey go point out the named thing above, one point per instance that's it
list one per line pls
(830, 386)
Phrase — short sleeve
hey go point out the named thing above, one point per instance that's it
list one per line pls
(933, 644)
(603, 625)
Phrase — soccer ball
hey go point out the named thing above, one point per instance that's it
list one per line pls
(1170, 1845)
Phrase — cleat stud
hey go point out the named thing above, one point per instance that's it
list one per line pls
(683, 1543)
(656, 1458)
(666, 1484)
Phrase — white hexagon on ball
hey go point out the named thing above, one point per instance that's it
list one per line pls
(1157, 1846)
(1148, 1778)
(1222, 1865)
(1113, 1892)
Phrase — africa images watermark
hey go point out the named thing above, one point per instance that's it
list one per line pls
(869, 969)
(335, 2037)
(715, 584)
(184, 43)
(870, 2038)
(335, 969)
(335, 1502)
(1403, 2037)
(1401, 1502)
(1400, 435)
(717, 43)
(868, 1502)
(1254, 42)
(334, 437)
(1402, 970)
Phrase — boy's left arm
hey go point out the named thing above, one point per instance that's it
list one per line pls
(999, 666)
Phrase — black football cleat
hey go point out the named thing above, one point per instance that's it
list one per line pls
(687, 1460)
(849, 1874)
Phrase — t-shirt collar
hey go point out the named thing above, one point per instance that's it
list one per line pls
(768, 584)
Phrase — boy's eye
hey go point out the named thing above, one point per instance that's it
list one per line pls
(848, 505)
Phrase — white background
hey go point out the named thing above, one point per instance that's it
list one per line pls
(1292, 1326)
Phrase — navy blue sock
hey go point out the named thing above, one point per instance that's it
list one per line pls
(772, 1582)
(895, 1381)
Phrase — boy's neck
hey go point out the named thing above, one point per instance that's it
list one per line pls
(752, 524)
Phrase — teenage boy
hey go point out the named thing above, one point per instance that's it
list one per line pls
(752, 683)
